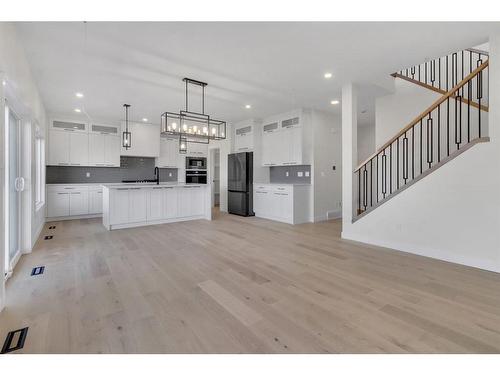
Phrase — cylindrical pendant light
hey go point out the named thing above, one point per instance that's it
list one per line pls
(127, 136)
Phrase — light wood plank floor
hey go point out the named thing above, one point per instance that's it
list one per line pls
(243, 285)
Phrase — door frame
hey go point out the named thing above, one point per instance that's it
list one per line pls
(211, 163)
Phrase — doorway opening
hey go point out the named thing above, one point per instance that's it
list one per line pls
(215, 173)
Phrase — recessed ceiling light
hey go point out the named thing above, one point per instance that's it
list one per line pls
(248, 106)
(145, 119)
(78, 110)
(4, 82)
(79, 95)
(334, 102)
(328, 75)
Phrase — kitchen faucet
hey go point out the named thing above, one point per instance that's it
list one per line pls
(157, 175)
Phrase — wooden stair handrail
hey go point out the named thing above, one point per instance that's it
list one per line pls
(440, 91)
(425, 113)
(478, 51)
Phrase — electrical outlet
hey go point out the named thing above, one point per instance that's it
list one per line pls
(169, 174)
(88, 174)
(300, 174)
(307, 174)
(287, 173)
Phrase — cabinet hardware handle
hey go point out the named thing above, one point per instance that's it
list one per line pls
(63, 163)
(69, 130)
(76, 192)
(122, 189)
(135, 188)
(62, 193)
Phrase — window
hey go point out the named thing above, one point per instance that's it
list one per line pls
(39, 169)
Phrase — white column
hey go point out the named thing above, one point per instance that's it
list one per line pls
(349, 152)
(2, 182)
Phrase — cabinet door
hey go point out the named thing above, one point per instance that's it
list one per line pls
(156, 204)
(170, 201)
(79, 149)
(161, 161)
(57, 204)
(137, 205)
(243, 138)
(79, 203)
(197, 201)
(97, 150)
(295, 152)
(261, 202)
(119, 206)
(112, 150)
(267, 146)
(58, 147)
(184, 201)
(283, 206)
(95, 202)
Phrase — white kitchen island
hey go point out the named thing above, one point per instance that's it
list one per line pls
(134, 205)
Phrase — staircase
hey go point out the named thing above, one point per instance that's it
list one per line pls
(455, 122)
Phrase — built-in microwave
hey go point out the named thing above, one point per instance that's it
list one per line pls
(196, 176)
(196, 163)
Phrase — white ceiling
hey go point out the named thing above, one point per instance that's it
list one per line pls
(274, 67)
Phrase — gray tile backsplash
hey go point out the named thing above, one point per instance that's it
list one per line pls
(131, 168)
(278, 175)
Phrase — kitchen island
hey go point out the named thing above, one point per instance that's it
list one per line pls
(133, 205)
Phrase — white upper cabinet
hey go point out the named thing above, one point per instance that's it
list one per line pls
(169, 153)
(68, 143)
(145, 140)
(197, 149)
(104, 146)
(283, 140)
(243, 137)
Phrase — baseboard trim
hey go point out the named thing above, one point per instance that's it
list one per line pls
(76, 217)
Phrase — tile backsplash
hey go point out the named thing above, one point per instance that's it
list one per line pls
(297, 174)
(131, 168)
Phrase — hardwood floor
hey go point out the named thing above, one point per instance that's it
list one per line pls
(243, 285)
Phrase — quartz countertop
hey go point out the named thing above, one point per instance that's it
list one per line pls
(281, 184)
(149, 185)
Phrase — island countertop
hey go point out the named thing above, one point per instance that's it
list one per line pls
(149, 185)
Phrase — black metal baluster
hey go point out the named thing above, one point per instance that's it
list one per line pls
(359, 191)
(390, 168)
(371, 183)
(412, 72)
(439, 132)
(421, 148)
(413, 152)
(365, 188)
(479, 92)
(405, 158)
(454, 69)
(462, 95)
(384, 174)
(376, 190)
(447, 74)
(458, 121)
(397, 164)
(433, 71)
(430, 142)
(439, 67)
(426, 73)
(448, 126)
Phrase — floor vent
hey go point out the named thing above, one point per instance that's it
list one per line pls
(37, 270)
(52, 227)
(48, 237)
(18, 336)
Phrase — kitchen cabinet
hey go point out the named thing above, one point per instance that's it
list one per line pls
(162, 203)
(95, 200)
(137, 202)
(191, 201)
(133, 206)
(283, 141)
(243, 137)
(197, 149)
(145, 140)
(64, 201)
(169, 153)
(104, 146)
(286, 203)
(68, 148)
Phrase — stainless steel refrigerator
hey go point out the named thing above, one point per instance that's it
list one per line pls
(240, 183)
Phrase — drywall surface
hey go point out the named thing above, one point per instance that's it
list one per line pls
(454, 213)
(327, 165)
(366, 142)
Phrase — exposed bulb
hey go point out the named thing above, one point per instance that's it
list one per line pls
(213, 131)
(174, 125)
(205, 130)
(184, 127)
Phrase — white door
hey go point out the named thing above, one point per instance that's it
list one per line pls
(137, 205)
(14, 184)
(170, 202)
(155, 204)
(59, 147)
(79, 149)
(57, 204)
(96, 150)
(112, 151)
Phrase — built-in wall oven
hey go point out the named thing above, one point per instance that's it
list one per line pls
(196, 163)
(196, 176)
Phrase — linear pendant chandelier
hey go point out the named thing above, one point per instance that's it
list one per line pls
(192, 127)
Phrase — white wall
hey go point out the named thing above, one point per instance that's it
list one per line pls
(327, 152)
(22, 94)
(454, 213)
(366, 142)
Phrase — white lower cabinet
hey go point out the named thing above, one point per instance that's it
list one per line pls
(286, 203)
(65, 201)
(135, 206)
(95, 200)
